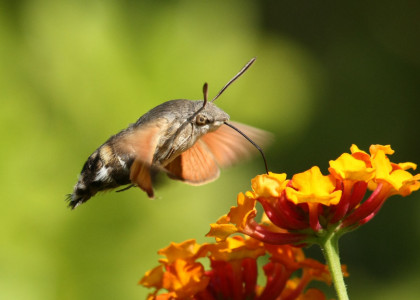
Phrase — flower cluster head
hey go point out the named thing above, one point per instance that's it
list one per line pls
(233, 272)
(310, 203)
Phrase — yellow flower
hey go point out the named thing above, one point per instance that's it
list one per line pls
(271, 185)
(347, 167)
(312, 187)
(300, 208)
(398, 180)
(374, 149)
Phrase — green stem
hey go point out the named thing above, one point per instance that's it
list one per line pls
(329, 246)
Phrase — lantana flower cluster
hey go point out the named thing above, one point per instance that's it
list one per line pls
(300, 209)
(310, 208)
(233, 272)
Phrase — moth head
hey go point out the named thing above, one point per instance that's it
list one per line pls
(208, 115)
(210, 118)
(220, 117)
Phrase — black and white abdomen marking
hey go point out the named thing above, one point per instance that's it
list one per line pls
(103, 170)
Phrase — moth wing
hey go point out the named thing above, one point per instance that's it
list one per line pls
(142, 142)
(140, 176)
(228, 146)
(195, 166)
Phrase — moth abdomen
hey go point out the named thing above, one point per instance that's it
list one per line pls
(104, 169)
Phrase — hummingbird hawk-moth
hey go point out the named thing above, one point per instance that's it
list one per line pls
(189, 140)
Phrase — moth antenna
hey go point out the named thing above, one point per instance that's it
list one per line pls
(234, 78)
(205, 93)
(252, 142)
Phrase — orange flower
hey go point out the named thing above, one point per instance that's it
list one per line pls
(178, 272)
(241, 219)
(233, 272)
(235, 248)
(187, 250)
(184, 278)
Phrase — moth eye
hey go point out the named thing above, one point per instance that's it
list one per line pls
(200, 120)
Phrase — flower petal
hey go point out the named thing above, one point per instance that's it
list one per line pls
(373, 149)
(153, 278)
(185, 278)
(221, 231)
(185, 250)
(313, 187)
(347, 167)
(236, 248)
(271, 185)
(240, 214)
(400, 181)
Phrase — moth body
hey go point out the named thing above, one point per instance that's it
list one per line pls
(168, 124)
(188, 140)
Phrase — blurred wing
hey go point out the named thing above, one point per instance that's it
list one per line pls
(194, 166)
(140, 176)
(228, 146)
(142, 143)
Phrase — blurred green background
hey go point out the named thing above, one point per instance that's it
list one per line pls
(72, 73)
